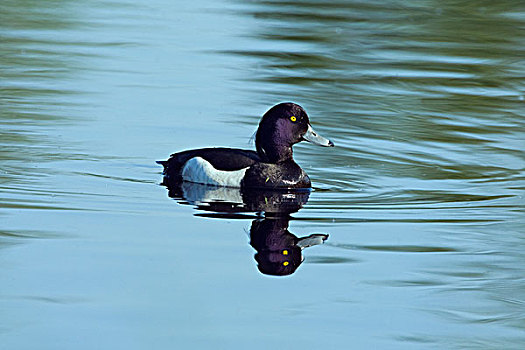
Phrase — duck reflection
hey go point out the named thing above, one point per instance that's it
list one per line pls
(279, 252)
(225, 200)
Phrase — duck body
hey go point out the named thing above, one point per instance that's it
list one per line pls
(271, 166)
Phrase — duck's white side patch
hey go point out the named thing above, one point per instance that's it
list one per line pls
(200, 171)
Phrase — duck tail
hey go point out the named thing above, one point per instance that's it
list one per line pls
(164, 163)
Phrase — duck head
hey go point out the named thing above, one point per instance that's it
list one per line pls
(280, 128)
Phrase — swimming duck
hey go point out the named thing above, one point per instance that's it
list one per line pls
(271, 166)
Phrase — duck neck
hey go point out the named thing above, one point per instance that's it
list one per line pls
(275, 153)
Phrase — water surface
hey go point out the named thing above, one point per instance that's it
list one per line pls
(422, 199)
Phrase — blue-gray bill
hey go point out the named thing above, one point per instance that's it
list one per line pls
(316, 139)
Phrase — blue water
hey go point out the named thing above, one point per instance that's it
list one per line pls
(422, 198)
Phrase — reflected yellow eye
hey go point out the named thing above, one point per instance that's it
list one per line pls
(286, 263)
(285, 252)
(293, 118)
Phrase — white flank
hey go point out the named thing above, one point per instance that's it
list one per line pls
(200, 171)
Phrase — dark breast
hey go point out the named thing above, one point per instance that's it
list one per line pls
(282, 175)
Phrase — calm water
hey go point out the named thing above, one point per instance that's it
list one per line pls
(422, 198)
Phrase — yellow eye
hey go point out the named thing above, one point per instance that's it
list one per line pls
(293, 118)
(286, 263)
(285, 252)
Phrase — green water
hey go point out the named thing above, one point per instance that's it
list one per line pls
(422, 197)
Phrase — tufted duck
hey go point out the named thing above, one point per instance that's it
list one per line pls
(271, 166)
